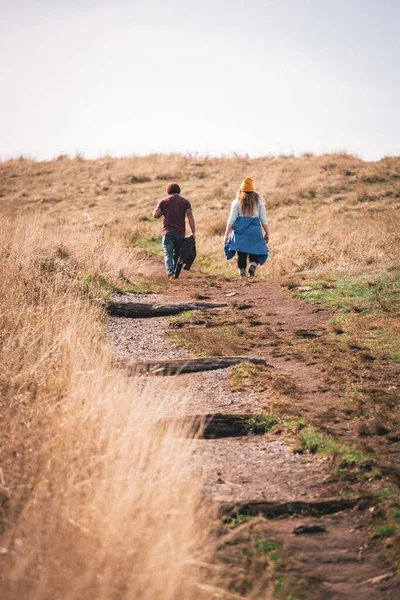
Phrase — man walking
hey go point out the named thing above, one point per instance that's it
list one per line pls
(174, 209)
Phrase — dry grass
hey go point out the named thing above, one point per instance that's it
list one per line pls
(327, 213)
(216, 341)
(102, 504)
(326, 240)
(109, 517)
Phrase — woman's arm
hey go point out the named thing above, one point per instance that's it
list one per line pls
(265, 226)
(233, 215)
(263, 218)
(228, 230)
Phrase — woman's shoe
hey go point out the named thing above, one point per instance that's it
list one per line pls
(252, 270)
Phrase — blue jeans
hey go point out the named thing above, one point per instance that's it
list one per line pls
(171, 243)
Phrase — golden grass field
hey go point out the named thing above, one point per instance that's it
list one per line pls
(329, 212)
(85, 484)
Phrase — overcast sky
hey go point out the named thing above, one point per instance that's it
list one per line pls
(255, 77)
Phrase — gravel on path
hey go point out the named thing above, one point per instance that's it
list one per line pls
(234, 469)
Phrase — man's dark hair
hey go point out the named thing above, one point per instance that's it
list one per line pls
(173, 188)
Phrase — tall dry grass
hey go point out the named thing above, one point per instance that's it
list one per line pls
(102, 503)
(325, 240)
(331, 212)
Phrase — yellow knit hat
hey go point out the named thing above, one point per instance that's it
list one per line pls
(247, 185)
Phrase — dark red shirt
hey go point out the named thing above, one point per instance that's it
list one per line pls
(174, 209)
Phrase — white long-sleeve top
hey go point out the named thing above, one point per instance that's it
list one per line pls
(259, 211)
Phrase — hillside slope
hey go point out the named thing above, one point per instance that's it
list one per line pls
(324, 310)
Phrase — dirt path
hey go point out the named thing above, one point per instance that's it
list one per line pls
(336, 558)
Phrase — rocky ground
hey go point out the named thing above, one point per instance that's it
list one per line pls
(286, 522)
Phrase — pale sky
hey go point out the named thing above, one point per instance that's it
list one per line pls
(257, 77)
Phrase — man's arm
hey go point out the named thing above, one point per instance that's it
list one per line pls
(191, 222)
(157, 213)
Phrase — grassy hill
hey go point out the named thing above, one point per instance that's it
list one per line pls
(327, 212)
(75, 231)
(334, 220)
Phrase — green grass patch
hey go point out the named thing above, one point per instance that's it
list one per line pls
(346, 456)
(387, 512)
(139, 287)
(182, 319)
(243, 374)
(267, 548)
(260, 423)
(152, 246)
(209, 263)
(376, 334)
(279, 584)
(238, 519)
(295, 424)
(96, 286)
(357, 294)
(214, 264)
(385, 531)
(370, 312)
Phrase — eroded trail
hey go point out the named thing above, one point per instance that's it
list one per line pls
(272, 494)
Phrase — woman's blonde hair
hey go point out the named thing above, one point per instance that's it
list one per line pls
(248, 202)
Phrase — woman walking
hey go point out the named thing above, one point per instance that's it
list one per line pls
(243, 234)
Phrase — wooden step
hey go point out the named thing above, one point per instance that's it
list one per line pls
(137, 310)
(272, 510)
(194, 365)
